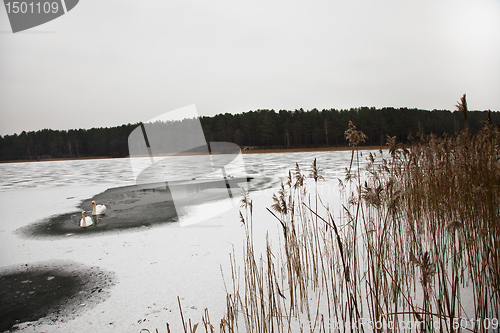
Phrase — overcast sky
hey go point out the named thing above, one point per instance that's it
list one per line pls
(106, 63)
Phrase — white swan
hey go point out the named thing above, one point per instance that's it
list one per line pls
(98, 209)
(86, 221)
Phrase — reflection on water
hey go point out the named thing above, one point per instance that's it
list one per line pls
(96, 219)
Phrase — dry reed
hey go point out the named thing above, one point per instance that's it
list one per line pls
(417, 241)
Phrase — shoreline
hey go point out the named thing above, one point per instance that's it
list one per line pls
(306, 150)
(63, 159)
(249, 151)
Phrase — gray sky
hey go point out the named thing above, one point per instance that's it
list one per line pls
(106, 63)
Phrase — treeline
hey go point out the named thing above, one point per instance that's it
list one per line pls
(261, 128)
(47, 143)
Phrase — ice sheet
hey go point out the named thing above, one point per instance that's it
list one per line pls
(153, 265)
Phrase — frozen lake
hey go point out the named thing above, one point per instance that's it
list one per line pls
(152, 265)
(118, 172)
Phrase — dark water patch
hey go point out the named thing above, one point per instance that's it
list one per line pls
(133, 206)
(265, 182)
(127, 207)
(58, 290)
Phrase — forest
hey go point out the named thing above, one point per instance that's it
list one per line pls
(257, 129)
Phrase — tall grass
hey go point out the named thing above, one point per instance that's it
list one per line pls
(416, 243)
